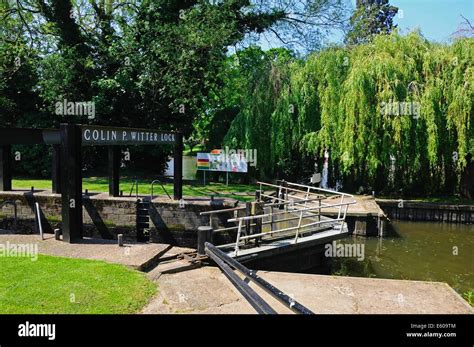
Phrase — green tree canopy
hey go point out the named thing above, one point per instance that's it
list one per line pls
(151, 63)
(399, 99)
(371, 17)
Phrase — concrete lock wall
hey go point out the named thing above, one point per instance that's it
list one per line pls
(106, 216)
(430, 212)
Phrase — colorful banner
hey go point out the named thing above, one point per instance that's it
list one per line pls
(202, 163)
(219, 160)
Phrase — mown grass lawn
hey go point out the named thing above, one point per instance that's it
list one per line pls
(64, 285)
(241, 192)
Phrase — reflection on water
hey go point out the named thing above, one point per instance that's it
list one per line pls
(417, 251)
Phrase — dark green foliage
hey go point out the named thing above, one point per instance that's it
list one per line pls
(150, 63)
(371, 17)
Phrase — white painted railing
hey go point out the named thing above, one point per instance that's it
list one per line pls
(306, 202)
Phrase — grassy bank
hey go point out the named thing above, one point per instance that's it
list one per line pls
(63, 285)
(469, 297)
(241, 192)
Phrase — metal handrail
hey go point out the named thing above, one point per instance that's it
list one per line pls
(38, 218)
(134, 185)
(263, 223)
(289, 229)
(226, 210)
(285, 212)
(205, 213)
(314, 211)
(315, 188)
(162, 186)
(302, 208)
(15, 209)
(288, 188)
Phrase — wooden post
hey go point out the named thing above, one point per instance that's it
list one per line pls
(272, 219)
(178, 167)
(56, 170)
(319, 209)
(5, 167)
(71, 182)
(258, 208)
(257, 195)
(281, 194)
(248, 212)
(114, 170)
(204, 235)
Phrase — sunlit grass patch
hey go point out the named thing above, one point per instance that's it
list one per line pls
(65, 285)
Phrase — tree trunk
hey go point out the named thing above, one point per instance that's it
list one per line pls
(466, 188)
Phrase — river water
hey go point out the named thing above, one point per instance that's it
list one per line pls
(424, 251)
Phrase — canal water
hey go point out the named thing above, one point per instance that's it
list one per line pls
(423, 251)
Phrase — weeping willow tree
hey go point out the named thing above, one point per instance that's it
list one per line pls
(395, 114)
(266, 109)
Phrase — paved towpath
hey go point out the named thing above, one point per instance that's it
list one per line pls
(207, 290)
(135, 255)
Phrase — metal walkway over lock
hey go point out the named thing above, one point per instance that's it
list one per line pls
(284, 215)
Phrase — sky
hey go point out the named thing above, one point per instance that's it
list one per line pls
(437, 19)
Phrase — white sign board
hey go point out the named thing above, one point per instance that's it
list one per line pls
(219, 160)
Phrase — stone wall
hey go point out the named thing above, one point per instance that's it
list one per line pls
(177, 225)
(424, 211)
(106, 216)
(366, 225)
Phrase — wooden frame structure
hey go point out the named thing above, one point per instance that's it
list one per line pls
(67, 161)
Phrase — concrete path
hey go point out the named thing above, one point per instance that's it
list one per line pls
(365, 206)
(207, 290)
(138, 256)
